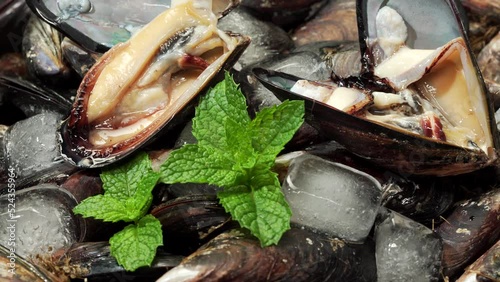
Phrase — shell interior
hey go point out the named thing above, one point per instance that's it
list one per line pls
(99, 24)
(438, 92)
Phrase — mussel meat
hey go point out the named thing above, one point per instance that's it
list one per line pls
(137, 87)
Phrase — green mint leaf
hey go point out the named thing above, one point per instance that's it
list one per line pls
(273, 127)
(125, 180)
(237, 154)
(198, 164)
(135, 246)
(240, 145)
(108, 208)
(127, 192)
(260, 207)
(221, 103)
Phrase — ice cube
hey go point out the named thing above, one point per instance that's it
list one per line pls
(38, 219)
(31, 146)
(406, 250)
(331, 197)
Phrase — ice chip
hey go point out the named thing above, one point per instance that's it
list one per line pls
(38, 220)
(406, 250)
(31, 146)
(331, 197)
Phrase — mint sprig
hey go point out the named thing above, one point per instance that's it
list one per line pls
(237, 153)
(127, 197)
(136, 244)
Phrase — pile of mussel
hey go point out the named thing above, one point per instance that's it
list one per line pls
(392, 177)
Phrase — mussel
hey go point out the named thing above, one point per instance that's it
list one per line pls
(99, 25)
(93, 261)
(469, 231)
(301, 255)
(16, 268)
(485, 268)
(190, 221)
(333, 22)
(42, 50)
(138, 87)
(419, 105)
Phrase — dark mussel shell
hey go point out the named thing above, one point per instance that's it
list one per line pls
(277, 5)
(484, 269)
(99, 25)
(469, 231)
(334, 22)
(93, 136)
(42, 50)
(190, 221)
(13, 17)
(78, 58)
(284, 13)
(422, 200)
(93, 261)
(31, 98)
(301, 255)
(403, 152)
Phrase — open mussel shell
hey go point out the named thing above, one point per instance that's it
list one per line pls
(99, 25)
(441, 119)
(402, 151)
(143, 86)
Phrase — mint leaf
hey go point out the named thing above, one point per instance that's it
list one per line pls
(127, 192)
(108, 208)
(221, 103)
(135, 246)
(237, 154)
(127, 196)
(124, 181)
(273, 127)
(240, 148)
(197, 164)
(261, 208)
